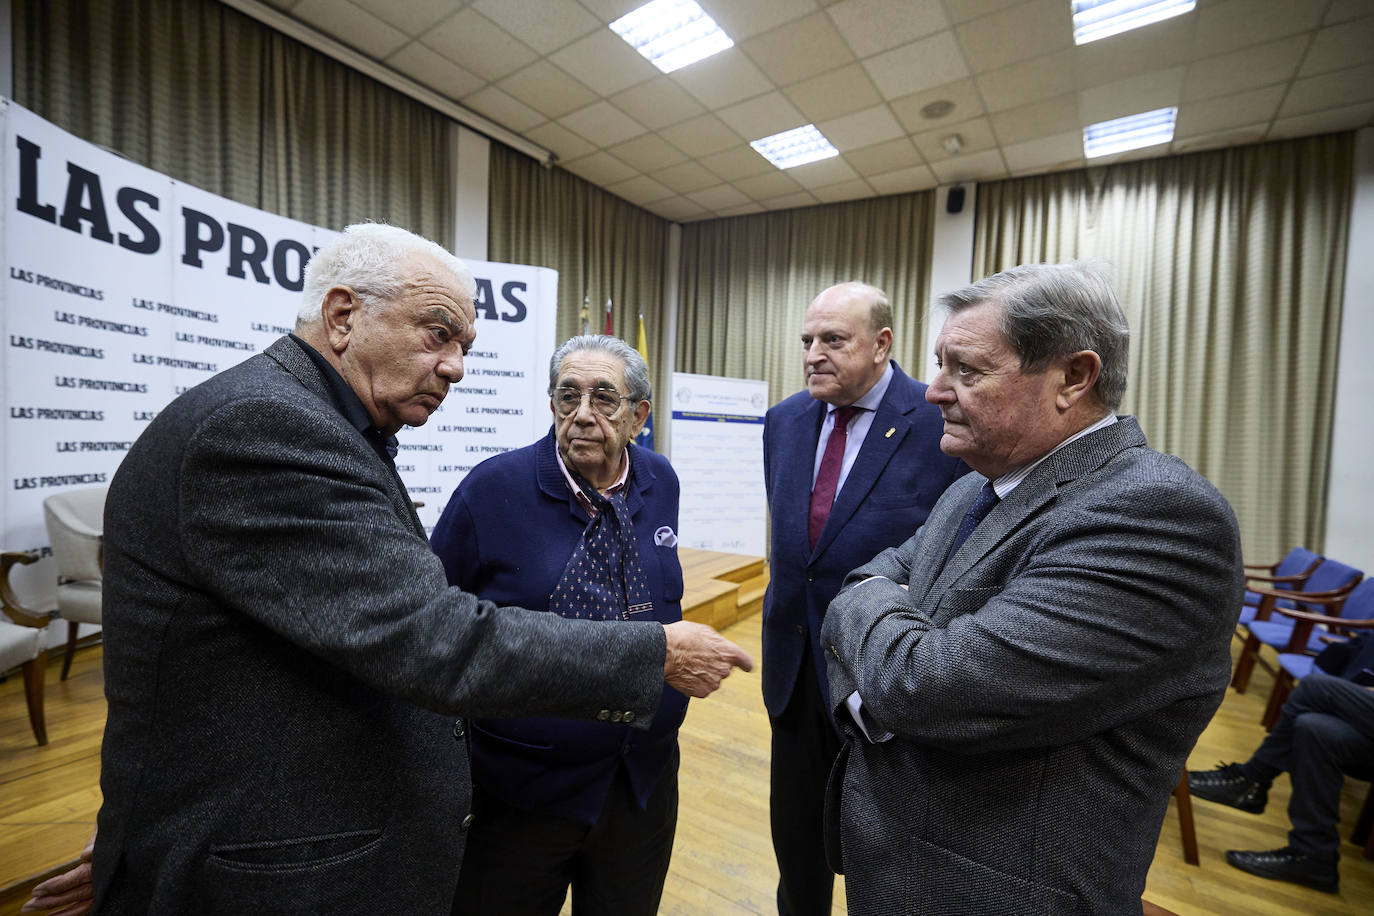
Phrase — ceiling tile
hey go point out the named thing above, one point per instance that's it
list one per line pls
(545, 25)
(835, 93)
(640, 190)
(964, 10)
(685, 176)
(819, 174)
(871, 26)
(1039, 119)
(1240, 136)
(719, 197)
(722, 79)
(605, 62)
(1340, 46)
(799, 49)
(600, 169)
(352, 25)
(744, 209)
(736, 163)
(975, 135)
(648, 153)
(920, 65)
(1162, 44)
(862, 128)
(1236, 24)
(504, 110)
(1244, 69)
(762, 116)
(964, 95)
(657, 103)
(1061, 150)
(745, 20)
(547, 90)
(1228, 111)
(791, 201)
(611, 10)
(1015, 34)
(1330, 90)
(478, 44)
(1028, 81)
(562, 141)
(677, 209)
(603, 124)
(1324, 122)
(984, 166)
(902, 181)
(763, 187)
(414, 16)
(701, 136)
(884, 157)
(848, 190)
(1146, 92)
(423, 65)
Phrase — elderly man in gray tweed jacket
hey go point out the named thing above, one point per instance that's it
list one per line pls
(1021, 681)
(287, 669)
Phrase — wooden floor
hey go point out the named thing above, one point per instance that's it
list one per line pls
(723, 860)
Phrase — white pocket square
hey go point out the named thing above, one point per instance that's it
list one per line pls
(664, 537)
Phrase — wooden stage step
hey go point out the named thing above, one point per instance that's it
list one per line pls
(721, 588)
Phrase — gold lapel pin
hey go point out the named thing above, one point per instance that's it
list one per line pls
(890, 431)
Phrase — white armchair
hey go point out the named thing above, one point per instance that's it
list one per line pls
(22, 638)
(76, 524)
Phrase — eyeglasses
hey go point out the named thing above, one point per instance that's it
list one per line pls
(605, 401)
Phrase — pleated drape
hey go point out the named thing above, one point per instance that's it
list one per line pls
(200, 92)
(1230, 265)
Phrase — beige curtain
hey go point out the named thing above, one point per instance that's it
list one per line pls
(1230, 265)
(202, 93)
(602, 247)
(747, 280)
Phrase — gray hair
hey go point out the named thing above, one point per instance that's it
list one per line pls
(636, 370)
(373, 260)
(1054, 310)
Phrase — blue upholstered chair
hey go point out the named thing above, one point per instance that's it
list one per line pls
(1331, 580)
(1290, 573)
(1346, 614)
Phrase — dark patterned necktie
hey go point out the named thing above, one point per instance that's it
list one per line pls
(604, 579)
(987, 498)
(828, 478)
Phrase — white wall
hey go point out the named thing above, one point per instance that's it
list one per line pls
(952, 267)
(471, 163)
(1350, 494)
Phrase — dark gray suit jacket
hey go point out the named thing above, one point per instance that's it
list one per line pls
(284, 662)
(1045, 686)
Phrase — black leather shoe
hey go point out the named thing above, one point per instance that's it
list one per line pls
(1287, 864)
(1225, 785)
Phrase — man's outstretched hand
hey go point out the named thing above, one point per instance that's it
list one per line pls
(71, 890)
(699, 658)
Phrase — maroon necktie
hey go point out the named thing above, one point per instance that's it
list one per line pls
(823, 493)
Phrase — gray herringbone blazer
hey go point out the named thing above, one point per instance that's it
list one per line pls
(284, 662)
(1045, 686)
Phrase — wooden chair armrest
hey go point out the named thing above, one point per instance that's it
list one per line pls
(13, 609)
(1331, 596)
(1299, 578)
(1271, 567)
(1340, 622)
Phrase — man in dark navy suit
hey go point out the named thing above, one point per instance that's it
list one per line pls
(852, 466)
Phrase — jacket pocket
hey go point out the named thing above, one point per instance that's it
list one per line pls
(951, 883)
(297, 853)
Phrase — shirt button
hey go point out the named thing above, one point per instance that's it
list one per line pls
(467, 821)
(458, 730)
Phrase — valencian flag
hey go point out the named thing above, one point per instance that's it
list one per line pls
(646, 435)
(608, 332)
(584, 315)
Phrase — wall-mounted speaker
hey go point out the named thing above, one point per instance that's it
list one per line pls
(954, 200)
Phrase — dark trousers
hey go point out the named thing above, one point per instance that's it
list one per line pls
(1326, 729)
(519, 863)
(805, 745)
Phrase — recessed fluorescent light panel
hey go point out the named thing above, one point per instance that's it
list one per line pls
(1134, 132)
(794, 147)
(672, 33)
(1094, 19)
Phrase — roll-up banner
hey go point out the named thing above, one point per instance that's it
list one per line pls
(124, 288)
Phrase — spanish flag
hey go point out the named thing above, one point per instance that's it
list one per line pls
(645, 439)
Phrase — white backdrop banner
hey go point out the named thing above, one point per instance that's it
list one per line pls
(123, 288)
(717, 447)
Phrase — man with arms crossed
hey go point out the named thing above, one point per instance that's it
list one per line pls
(284, 659)
(1034, 665)
(836, 500)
